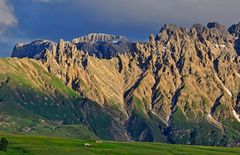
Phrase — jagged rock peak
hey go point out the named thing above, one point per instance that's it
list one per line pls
(234, 29)
(216, 25)
(198, 29)
(98, 37)
(151, 37)
(172, 29)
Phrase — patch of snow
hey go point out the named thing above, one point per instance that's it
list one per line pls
(20, 44)
(169, 119)
(210, 116)
(164, 49)
(39, 42)
(45, 98)
(115, 41)
(177, 70)
(159, 117)
(236, 115)
(153, 112)
(238, 74)
(216, 45)
(227, 90)
(222, 46)
(214, 121)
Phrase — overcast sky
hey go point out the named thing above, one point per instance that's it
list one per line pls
(27, 20)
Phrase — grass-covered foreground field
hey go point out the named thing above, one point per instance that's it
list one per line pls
(36, 145)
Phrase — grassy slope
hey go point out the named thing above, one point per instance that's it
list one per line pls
(25, 102)
(35, 145)
(31, 95)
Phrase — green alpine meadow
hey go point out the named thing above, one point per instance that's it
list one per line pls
(42, 145)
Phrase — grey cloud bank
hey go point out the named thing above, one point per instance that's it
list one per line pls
(7, 17)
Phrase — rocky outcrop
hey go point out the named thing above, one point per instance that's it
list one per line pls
(181, 86)
(103, 45)
(33, 49)
(235, 29)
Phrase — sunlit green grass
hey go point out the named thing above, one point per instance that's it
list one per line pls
(37, 145)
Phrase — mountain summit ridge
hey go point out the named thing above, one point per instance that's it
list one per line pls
(98, 37)
(98, 44)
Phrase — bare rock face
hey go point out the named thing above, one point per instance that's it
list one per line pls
(235, 29)
(181, 86)
(32, 50)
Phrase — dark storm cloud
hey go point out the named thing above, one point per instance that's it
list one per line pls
(181, 12)
(136, 19)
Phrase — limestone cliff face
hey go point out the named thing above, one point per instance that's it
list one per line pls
(32, 50)
(181, 86)
(97, 37)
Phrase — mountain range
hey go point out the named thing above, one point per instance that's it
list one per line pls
(181, 86)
